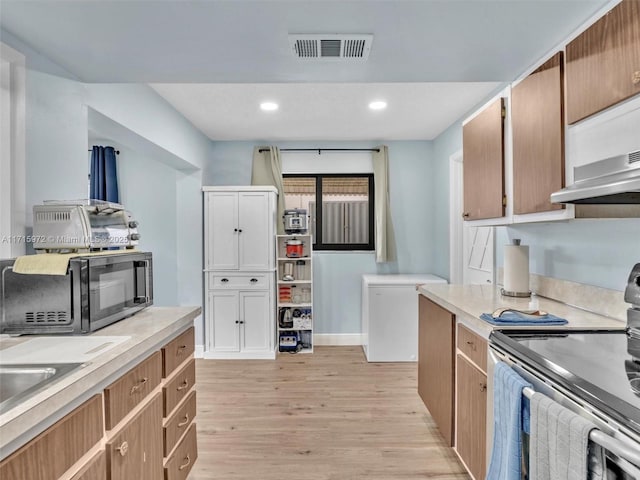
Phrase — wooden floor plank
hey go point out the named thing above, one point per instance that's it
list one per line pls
(325, 416)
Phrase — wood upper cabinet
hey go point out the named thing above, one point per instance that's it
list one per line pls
(538, 138)
(603, 63)
(483, 166)
(471, 429)
(436, 363)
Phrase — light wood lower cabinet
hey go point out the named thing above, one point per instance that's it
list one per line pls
(56, 449)
(471, 401)
(136, 451)
(436, 363)
(178, 466)
(95, 469)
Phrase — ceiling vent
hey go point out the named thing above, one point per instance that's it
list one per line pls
(331, 46)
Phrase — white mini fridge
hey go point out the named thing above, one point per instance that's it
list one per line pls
(390, 316)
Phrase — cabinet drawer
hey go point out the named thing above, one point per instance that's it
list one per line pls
(181, 462)
(135, 453)
(44, 459)
(176, 351)
(125, 393)
(473, 346)
(177, 388)
(179, 422)
(257, 281)
(95, 469)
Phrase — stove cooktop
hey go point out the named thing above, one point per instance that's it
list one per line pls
(594, 365)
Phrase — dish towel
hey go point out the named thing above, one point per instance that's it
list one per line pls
(515, 318)
(506, 455)
(559, 445)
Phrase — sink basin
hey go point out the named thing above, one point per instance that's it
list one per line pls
(18, 382)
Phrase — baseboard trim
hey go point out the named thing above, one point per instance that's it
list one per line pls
(199, 352)
(337, 339)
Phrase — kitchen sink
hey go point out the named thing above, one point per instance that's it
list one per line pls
(18, 382)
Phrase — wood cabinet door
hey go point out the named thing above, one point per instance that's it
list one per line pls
(223, 321)
(255, 321)
(471, 411)
(436, 363)
(538, 138)
(255, 237)
(603, 63)
(135, 453)
(222, 231)
(483, 163)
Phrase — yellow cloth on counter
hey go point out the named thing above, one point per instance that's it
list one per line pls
(54, 263)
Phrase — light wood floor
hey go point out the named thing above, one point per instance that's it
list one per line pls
(326, 416)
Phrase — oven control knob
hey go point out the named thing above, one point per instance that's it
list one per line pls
(134, 236)
(133, 224)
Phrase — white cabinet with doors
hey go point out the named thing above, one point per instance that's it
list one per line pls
(239, 269)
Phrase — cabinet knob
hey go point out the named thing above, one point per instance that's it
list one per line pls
(185, 465)
(123, 448)
(465, 215)
(235, 229)
(138, 386)
(241, 322)
(239, 230)
(636, 77)
(237, 321)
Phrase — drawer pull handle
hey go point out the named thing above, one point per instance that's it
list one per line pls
(483, 387)
(123, 448)
(471, 344)
(185, 421)
(180, 350)
(185, 465)
(138, 386)
(254, 280)
(224, 280)
(636, 77)
(183, 385)
(465, 215)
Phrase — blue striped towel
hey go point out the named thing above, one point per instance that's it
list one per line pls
(515, 318)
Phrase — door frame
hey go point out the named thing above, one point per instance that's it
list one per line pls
(456, 225)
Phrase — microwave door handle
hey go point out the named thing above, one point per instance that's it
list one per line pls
(147, 281)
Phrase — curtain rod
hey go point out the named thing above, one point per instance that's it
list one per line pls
(320, 150)
(117, 151)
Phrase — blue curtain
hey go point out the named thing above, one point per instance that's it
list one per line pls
(104, 178)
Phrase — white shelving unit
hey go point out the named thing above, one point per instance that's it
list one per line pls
(294, 296)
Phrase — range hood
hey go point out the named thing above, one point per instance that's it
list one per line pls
(614, 180)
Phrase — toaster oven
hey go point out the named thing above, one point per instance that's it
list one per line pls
(96, 291)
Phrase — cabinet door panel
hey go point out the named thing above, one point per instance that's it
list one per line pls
(222, 231)
(538, 138)
(483, 164)
(136, 452)
(222, 321)
(178, 388)
(472, 416)
(603, 63)
(436, 363)
(96, 469)
(254, 222)
(255, 313)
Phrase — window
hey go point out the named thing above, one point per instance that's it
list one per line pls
(340, 208)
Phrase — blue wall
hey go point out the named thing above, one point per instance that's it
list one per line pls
(338, 275)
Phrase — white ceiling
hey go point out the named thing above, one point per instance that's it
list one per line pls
(421, 46)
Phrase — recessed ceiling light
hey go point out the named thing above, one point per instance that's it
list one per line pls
(378, 105)
(269, 106)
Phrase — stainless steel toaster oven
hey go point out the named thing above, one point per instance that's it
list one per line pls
(95, 292)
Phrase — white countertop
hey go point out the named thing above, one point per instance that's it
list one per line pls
(468, 302)
(148, 330)
(402, 279)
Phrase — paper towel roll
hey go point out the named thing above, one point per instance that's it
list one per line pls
(516, 269)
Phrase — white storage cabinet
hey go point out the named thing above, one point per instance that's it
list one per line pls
(239, 269)
(390, 316)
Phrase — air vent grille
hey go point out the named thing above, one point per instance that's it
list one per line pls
(53, 216)
(46, 318)
(634, 157)
(329, 47)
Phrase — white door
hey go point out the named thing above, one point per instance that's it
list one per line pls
(254, 232)
(223, 321)
(478, 255)
(222, 231)
(256, 320)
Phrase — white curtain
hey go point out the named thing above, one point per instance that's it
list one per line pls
(385, 238)
(267, 170)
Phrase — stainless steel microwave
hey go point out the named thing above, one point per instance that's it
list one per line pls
(96, 291)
